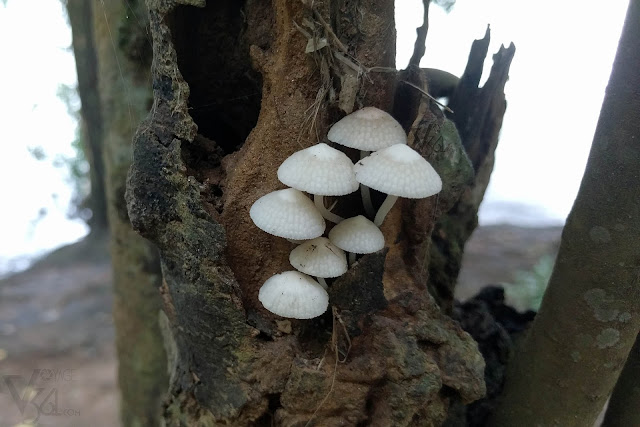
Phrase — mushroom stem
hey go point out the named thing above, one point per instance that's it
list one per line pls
(352, 258)
(364, 191)
(322, 283)
(384, 209)
(319, 201)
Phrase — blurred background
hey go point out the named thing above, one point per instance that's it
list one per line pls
(55, 307)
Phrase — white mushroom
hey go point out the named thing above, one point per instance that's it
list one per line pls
(322, 171)
(320, 258)
(398, 171)
(287, 213)
(294, 295)
(368, 129)
(357, 235)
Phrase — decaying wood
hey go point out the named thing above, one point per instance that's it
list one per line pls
(477, 114)
(421, 36)
(190, 193)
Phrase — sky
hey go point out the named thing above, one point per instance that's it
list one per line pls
(557, 80)
(36, 61)
(564, 52)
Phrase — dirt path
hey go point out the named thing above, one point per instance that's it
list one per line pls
(56, 337)
(494, 253)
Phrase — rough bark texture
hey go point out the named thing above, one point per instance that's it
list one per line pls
(477, 114)
(81, 18)
(590, 314)
(124, 55)
(232, 362)
(623, 409)
(495, 326)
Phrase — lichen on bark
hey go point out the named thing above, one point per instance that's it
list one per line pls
(400, 359)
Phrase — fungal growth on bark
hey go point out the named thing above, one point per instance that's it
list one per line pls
(397, 171)
(320, 258)
(295, 295)
(287, 213)
(204, 189)
(321, 170)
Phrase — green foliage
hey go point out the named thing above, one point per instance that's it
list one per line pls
(78, 170)
(527, 289)
(69, 95)
(447, 5)
(76, 165)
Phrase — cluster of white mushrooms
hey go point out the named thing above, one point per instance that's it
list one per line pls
(393, 168)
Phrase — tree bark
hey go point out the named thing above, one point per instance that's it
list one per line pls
(589, 319)
(384, 354)
(625, 400)
(80, 16)
(124, 54)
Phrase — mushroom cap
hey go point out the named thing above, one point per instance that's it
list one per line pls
(319, 257)
(357, 235)
(400, 171)
(294, 295)
(319, 169)
(287, 213)
(368, 129)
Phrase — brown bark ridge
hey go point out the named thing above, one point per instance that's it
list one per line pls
(625, 400)
(477, 115)
(123, 53)
(590, 314)
(232, 362)
(80, 16)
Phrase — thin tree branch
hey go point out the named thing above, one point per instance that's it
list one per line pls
(425, 93)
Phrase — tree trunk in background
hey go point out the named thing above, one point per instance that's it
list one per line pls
(624, 405)
(81, 19)
(589, 319)
(234, 95)
(124, 56)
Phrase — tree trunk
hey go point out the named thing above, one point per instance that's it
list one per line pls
(624, 405)
(589, 319)
(124, 56)
(234, 95)
(80, 16)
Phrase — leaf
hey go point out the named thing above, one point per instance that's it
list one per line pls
(315, 44)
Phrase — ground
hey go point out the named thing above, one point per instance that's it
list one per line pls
(56, 332)
(56, 318)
